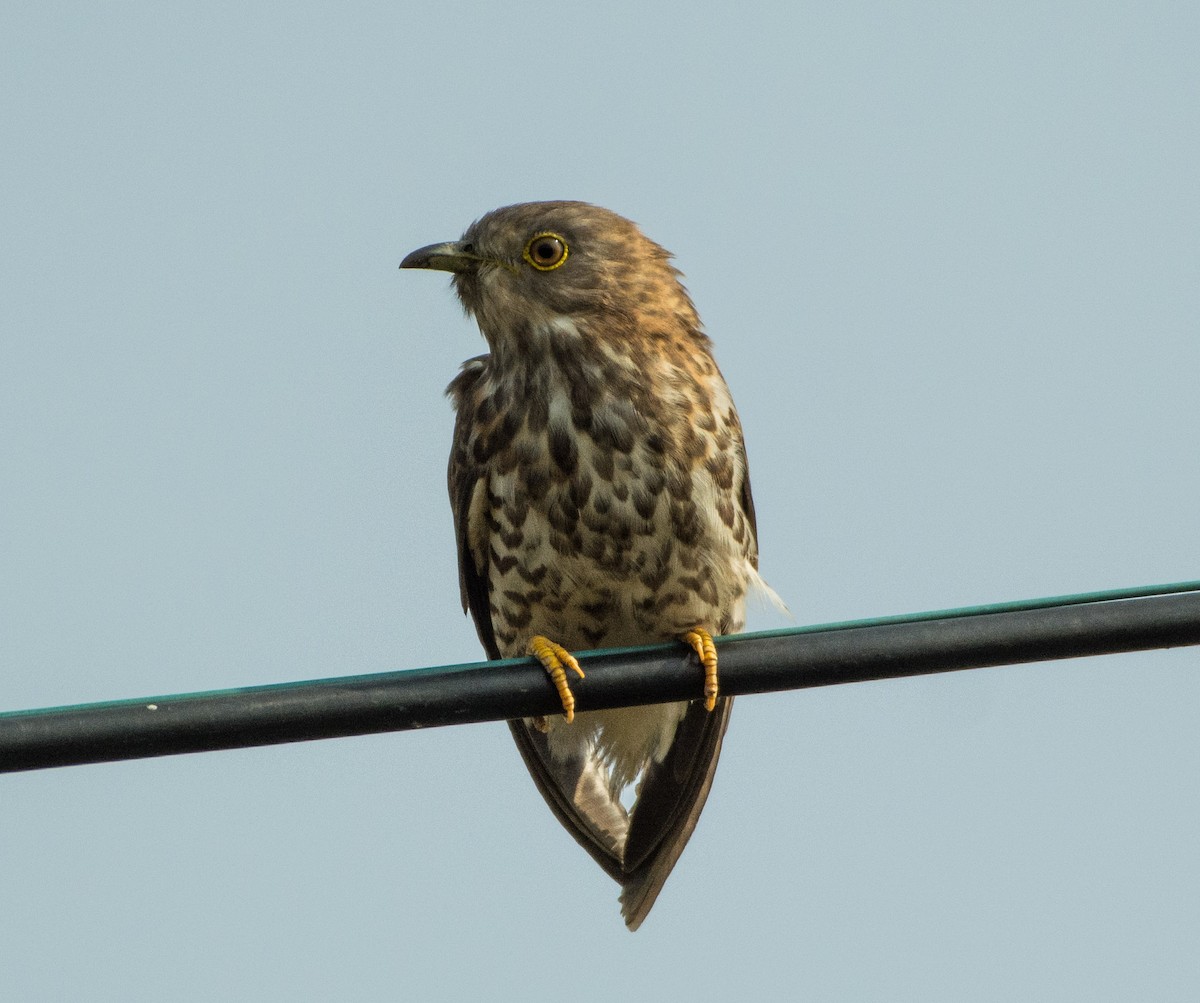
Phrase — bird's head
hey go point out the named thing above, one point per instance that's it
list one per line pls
(530, 270)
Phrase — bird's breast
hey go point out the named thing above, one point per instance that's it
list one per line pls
(612, 524)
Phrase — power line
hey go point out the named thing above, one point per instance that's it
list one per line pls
(887, 648)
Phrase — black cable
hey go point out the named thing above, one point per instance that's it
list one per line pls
(493, 691)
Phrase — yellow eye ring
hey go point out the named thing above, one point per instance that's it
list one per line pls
(545, 251)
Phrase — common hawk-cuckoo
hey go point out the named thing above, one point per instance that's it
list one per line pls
(601, 498)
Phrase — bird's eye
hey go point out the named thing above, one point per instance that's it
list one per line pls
(546, 251)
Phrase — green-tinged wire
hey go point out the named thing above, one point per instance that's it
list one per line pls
(1031, 630)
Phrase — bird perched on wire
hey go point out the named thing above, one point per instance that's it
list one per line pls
(601, 498)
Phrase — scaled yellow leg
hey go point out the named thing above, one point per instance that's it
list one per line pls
(701, 642)
(556, 660)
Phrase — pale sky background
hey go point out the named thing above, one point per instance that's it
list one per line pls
(950, 258)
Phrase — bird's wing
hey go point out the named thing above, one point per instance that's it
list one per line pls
(468, 484)
(673, 792)
(668, 806)
(575, 789)
(747, 500)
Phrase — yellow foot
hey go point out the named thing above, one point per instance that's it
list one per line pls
(701, 642)
(556, 660)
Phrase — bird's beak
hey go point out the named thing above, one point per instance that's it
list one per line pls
(448, 257)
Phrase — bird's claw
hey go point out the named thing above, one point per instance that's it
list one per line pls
(701, 642)
(556, 660)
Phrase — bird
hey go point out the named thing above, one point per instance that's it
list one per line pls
(601, 498)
